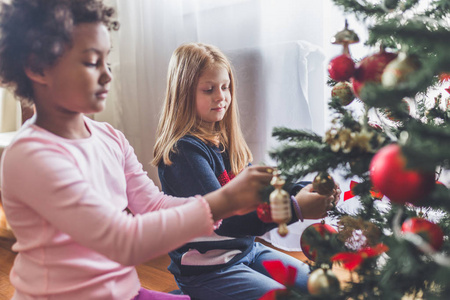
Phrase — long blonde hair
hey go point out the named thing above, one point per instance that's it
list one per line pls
(179, 117)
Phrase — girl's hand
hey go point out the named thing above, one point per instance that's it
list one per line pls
(244, 191)
(336, 194)
(242, 194)
(314, 205)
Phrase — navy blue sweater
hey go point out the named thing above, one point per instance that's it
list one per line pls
(198, 169)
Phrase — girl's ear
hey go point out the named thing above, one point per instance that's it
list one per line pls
(35, 76)
(33, 70)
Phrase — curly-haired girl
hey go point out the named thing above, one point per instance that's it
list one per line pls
(67, 180)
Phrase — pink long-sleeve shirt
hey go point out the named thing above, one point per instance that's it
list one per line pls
(65, 201)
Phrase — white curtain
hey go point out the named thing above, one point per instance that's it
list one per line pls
(279, 50)
(10, 112)
(152, 29)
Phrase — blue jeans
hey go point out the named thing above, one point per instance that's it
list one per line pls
(245, 280)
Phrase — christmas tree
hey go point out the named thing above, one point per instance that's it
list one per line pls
(396, 245)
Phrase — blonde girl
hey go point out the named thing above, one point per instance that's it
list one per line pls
(178, 117)
(200, 148)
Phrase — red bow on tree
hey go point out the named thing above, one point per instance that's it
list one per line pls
(349, 194)
(280, 273)
(352, 260)
(444, 77)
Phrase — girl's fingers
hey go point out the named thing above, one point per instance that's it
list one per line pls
(263, 174)
(330, 202)
(263, 169)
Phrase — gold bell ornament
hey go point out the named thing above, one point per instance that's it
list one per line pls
(345, 37)
(323, 282)
(323, 184)
(280, 204)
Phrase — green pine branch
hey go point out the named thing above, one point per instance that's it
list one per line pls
(424, 137)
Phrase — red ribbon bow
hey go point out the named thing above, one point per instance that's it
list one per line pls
(352, 260)
(280, 273)
(444, 77)
(349, 194)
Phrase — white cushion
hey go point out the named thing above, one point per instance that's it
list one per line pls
(5, 139)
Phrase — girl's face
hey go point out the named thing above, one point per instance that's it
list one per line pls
(213, 96)
(79, 81)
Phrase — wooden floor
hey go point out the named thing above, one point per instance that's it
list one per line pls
(6, 260)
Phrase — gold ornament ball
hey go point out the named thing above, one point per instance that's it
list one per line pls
(399, 70)
(323, 282)
(323, 183)
(343, 91)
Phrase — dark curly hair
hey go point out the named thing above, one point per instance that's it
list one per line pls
(35, 33)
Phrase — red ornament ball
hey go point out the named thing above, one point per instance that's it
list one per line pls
(264, 213)
(429, 231)
(370, 69)
(389, 176)
(343, 91)
(311, 232)
(341, 68)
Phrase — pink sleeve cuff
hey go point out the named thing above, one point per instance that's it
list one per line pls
(215, 225)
